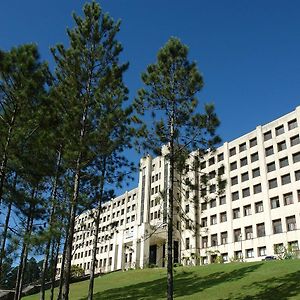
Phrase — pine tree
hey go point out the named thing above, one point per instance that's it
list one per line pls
(170, 89)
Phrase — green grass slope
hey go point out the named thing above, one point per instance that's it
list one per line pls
(235, 281)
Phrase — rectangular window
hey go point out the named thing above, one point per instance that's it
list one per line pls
(204, 222)
(211, 161)
(288, 199)
(297, 175)
(221, 170)
(220, 157)
(262, 251)
(233, 166)
(245, 176)
(253, 142)
(281, 146)
(255, 172)
(296, 157)
(283, 162)
(257, 188)
(249, 253)
(214, 240)
(242, 147)
(275, 202)
(246, 192)
(235, 196)
(247, 210)
(237, 235)
(232, 151)
(260, 228)
(236, 213)
(213, 219)
(259, 207)
(292, 124)
(267, 135)
(294, 245)
(203, 206)
(187, 243)
(295, 140)
(272, 183)
(285, 179)
(269, 151)
(248, 232)
(244, 161)
(254, 157)
(213, 203)
(234, 180)
(279, 130)
(224, 237)
(271, 167)
(204, 242)
(222, 200)
(203, 165)
(223, 217)
(187, 209)
(277, 227)
(291, 223)
(212, 174)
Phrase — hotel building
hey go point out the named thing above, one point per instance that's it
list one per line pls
(256, 215)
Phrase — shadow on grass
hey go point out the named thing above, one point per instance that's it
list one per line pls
(274, 288)
(185, 283)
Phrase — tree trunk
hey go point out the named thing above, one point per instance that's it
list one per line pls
(54, 258)
(170, 217)
(97, 222)
(48, 245)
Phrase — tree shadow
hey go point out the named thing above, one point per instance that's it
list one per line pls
(273, 288)
(185, 283)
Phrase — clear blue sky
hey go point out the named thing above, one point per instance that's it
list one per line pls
(247, 51)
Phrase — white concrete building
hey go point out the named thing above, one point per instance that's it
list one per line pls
(258, 213)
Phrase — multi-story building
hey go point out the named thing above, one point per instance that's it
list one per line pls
(257, 213)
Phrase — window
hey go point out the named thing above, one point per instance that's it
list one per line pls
(187, 209)
(204, 242)
(285, 179)
(221, 170)
(254, 157)
(260, 229)
(267, 135)
(223, 217)
(212, 188)
(279, 130)
(275, 202)
(277, 227)
(204, 222)
(259, 207)
(296, 157)
(247, 210)
(297, 175)
(224, 237)
(233, 166)
(248, 232)
(220, 157)
(222, 200)
(213, 203)
(292, 124)
(253, 142)
(288, 199)
(257, 188)
(244, 161)
(187, 243)
(298, 195)
(290, 223)
(262, 251)
(295, 140)
(203, 206)
(283, 162)
(246, 192)
(271, 167)
(269, 151)
(211, 161)
(245, 176)
(238, 254)
(278, 248)
(234, 180)
(242, 147)
(235, 196)
(255, 172)
(213, 219)
(273, 183)
(232, 151)
(203, 165)
(281, 146)
(237, 235)
(212, 174)
(214, 240)
(293, 245)
(236, 213)
(249, 253)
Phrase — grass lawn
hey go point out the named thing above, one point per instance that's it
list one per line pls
(235, 281)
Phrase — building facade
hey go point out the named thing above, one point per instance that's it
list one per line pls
(257, 214)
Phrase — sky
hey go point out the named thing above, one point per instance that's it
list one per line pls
(247, 51)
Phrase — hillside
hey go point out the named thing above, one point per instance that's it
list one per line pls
(235, 281)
